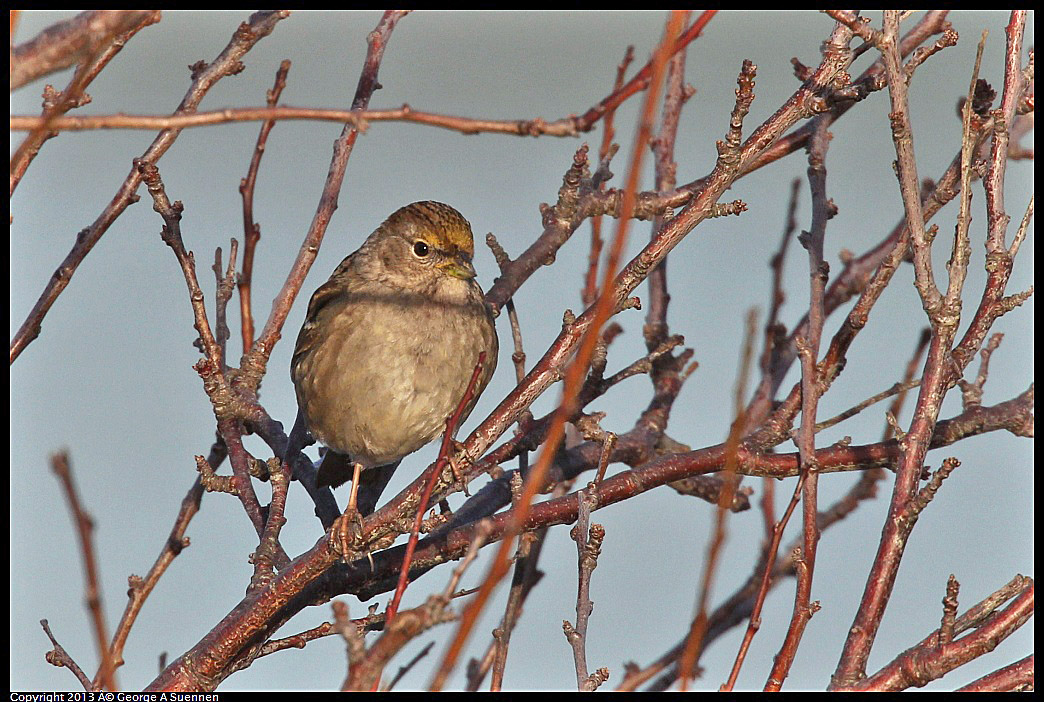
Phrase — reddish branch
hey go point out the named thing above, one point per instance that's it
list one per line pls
(365, 668)
(1017, 677)
(935, 656)
(872, 79)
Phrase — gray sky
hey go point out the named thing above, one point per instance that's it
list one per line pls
(110, 377)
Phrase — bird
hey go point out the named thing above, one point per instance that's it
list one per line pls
(388, 348)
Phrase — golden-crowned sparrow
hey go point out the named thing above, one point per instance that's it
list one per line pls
(390, 344)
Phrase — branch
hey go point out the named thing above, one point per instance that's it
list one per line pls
(64, 44)
(933, 657)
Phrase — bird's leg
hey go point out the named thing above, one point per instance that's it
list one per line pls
(351, 517)
(357, 468)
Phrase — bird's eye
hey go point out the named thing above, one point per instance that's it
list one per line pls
(421, 249)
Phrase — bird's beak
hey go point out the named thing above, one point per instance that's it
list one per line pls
(459, 268)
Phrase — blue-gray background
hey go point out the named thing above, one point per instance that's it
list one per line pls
(110, 377)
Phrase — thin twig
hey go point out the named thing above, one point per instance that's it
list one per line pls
(698, 628)
(139, 588)
(60, 658)
(105, 679)
(251, 229)
(434, 472)
(588, 538)
(358, 117)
